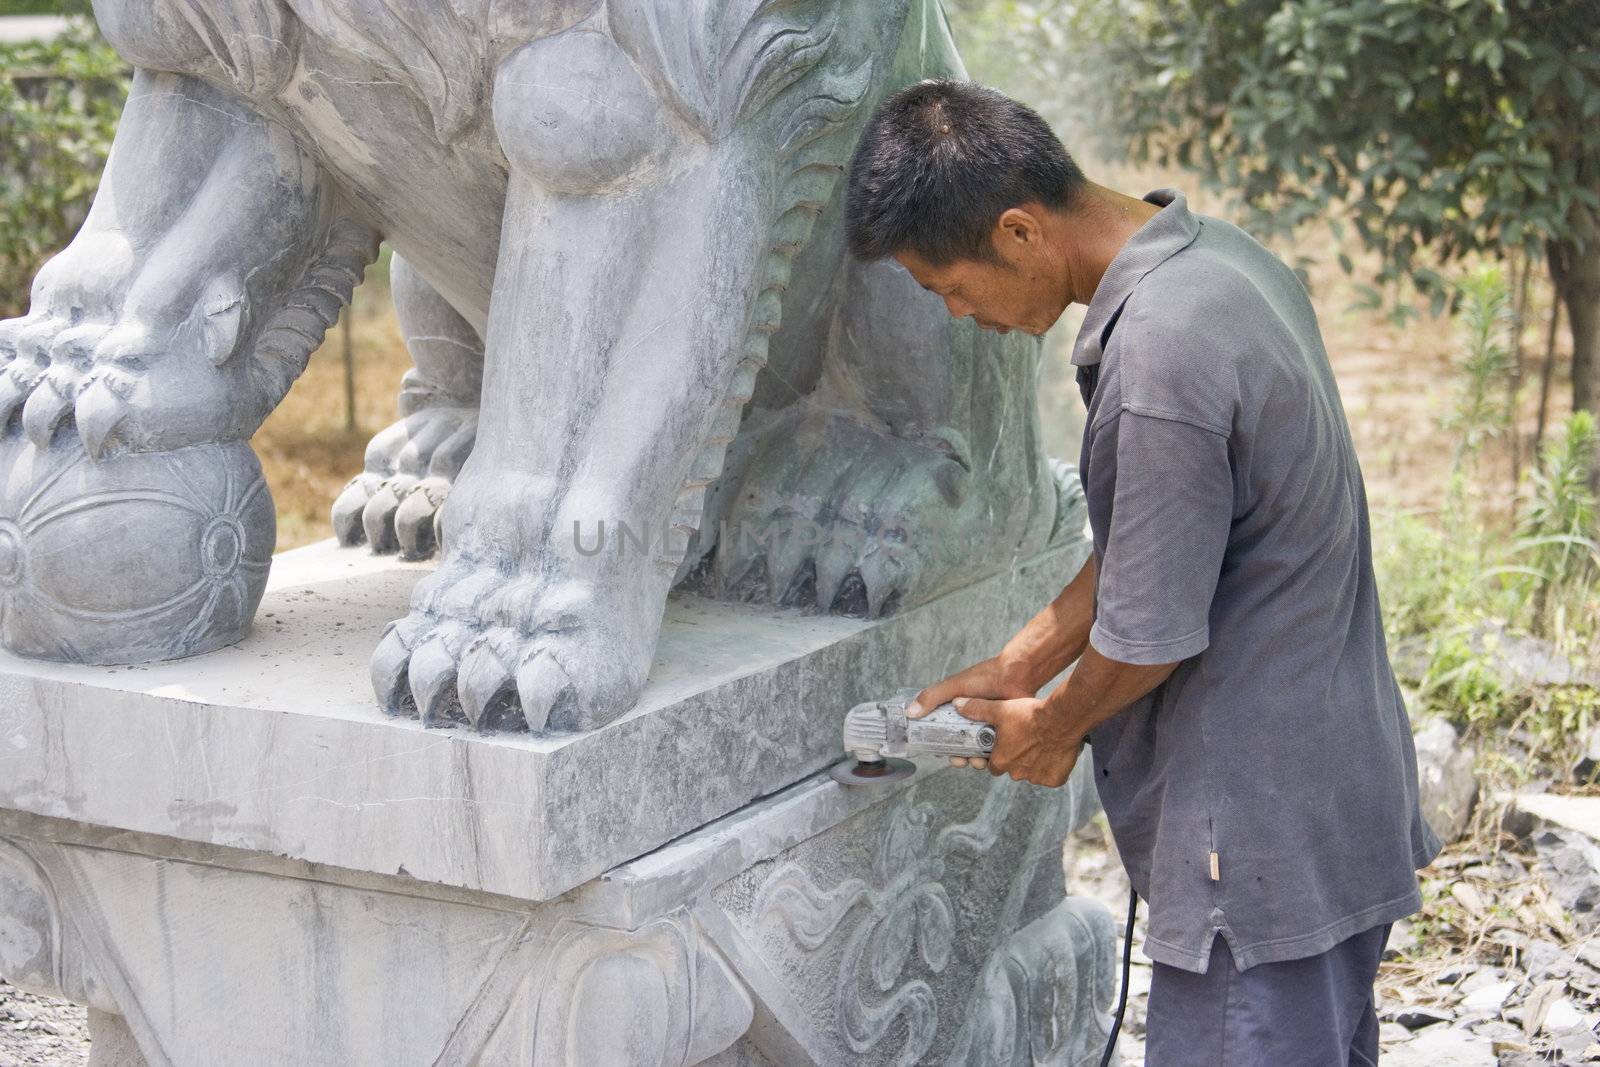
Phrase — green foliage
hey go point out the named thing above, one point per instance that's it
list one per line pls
(1463, 598)
(1445, 126)
(1484, 367)
(1020, 47)
(59, 102)
(1558, 533)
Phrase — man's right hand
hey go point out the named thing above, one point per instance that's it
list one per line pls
(989, 680)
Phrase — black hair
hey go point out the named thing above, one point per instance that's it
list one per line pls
(940, 162)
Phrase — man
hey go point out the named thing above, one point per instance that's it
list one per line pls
(1251, 748)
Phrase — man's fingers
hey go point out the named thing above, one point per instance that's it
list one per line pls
(975, 709)
(958, 761)
(943, 692)
(979, 762)
(932, 697)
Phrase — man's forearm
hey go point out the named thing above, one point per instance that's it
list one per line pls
(1052, 639)
(1097, 689)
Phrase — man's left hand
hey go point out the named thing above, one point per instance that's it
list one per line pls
(1031, 743)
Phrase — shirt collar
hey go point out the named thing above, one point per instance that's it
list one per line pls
(1165, 234)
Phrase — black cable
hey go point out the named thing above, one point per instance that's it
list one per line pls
(1127, 967)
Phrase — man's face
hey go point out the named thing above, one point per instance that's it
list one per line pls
(1018, 290)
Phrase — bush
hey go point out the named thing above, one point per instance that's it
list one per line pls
(59, 102)
(1473, 608)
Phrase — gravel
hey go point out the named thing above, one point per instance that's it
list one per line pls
(40, 1032)
(1492, 973)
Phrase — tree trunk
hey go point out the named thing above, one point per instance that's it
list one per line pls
(1576, 272)
(1575, 268)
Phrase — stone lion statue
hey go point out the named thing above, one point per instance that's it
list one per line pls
(642, 355)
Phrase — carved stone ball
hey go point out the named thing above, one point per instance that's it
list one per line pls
(134, 557)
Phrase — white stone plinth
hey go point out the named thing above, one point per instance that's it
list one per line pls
(235, 859)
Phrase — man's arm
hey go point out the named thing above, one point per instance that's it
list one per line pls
(1042, 649)
(1171, 519)
(1039, 740)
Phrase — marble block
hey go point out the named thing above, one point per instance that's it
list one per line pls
(234, 859)
(273, 744)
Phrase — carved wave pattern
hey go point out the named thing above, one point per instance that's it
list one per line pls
(908, 911)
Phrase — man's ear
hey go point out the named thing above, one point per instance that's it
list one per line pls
(1018, 225)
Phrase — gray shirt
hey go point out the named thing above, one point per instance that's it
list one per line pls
(1267, 790)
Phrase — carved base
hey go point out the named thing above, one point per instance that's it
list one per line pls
(817, 926)
(233, 860)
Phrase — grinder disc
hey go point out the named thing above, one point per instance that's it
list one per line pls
(852, 772)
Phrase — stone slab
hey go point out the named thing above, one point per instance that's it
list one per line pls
(273, 744)
(1574, 813)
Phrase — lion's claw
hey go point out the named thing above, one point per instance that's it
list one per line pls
(394, 505)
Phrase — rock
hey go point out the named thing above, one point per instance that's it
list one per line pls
(1570, 863)
(1521, 1058)
(1393, 1034)
(1489, 998)
(1566, 812)
(1419, 1017)
(1535, 1009)
(1442, 1046)
(1478, 978)
(1523, 661)
(1544, 959)
(1500, 1033)
(1505, 1047)
(1589, 954)
(1588, 765)
(1402, 941)
(1573, 1042)
(1562, 1016)
(1446, 782)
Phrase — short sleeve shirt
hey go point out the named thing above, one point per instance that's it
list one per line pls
(1267, 791)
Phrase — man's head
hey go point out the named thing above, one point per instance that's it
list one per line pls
(959, 182)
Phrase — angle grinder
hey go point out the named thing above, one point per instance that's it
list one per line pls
(880, 737)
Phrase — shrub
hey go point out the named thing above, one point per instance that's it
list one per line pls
(59, 102)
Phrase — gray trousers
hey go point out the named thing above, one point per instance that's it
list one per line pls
(1314, 1012)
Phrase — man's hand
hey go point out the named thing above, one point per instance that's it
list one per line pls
(991, 680)
(1032, 742)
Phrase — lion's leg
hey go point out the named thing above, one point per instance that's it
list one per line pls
(211, 262)
(916, 463)
(410, 466)
(213, 258)
(630, 264)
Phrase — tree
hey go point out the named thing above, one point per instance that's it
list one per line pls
(1436, 128)
(59, 102)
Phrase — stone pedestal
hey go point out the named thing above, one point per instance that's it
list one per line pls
(235, 859)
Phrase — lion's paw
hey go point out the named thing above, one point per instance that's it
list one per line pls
(498, 655)
(836, 516)
(393, 505)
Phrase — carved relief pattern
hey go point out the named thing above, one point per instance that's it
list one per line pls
(209, 509)
(905, 911)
